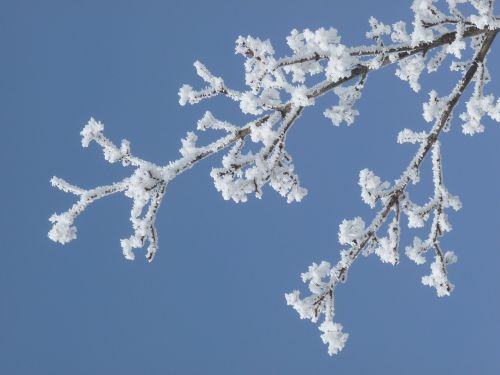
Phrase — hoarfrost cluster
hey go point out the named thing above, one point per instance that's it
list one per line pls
(278, 91)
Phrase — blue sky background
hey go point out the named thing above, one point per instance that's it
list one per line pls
(213, 302)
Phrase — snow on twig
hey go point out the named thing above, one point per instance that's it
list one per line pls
(279, 90)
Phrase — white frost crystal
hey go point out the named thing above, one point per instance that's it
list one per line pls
(300, 98)
(344, 112)
(399, 34)
(249, 104)
(315, 274)
(63, 230)
(372, 187)
(378, 29)
(438, 278)
(458, 44)
(388, 246)
(351, 230)
(477, 107)
(415, 251)
(90, 131)
(333, 336)
(386, 252)
(410, 70)
(434, 107)
(340, 63)
(410, 136)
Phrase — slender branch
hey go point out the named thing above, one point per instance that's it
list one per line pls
(180, 165)
(402, 52)
(323, 88)
(360, 239)
(425, 147)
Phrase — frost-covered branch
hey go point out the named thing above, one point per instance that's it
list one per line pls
(366, 240)
(63, 230)
(278, 91)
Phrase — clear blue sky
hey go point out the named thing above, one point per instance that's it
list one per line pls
(213, 302)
